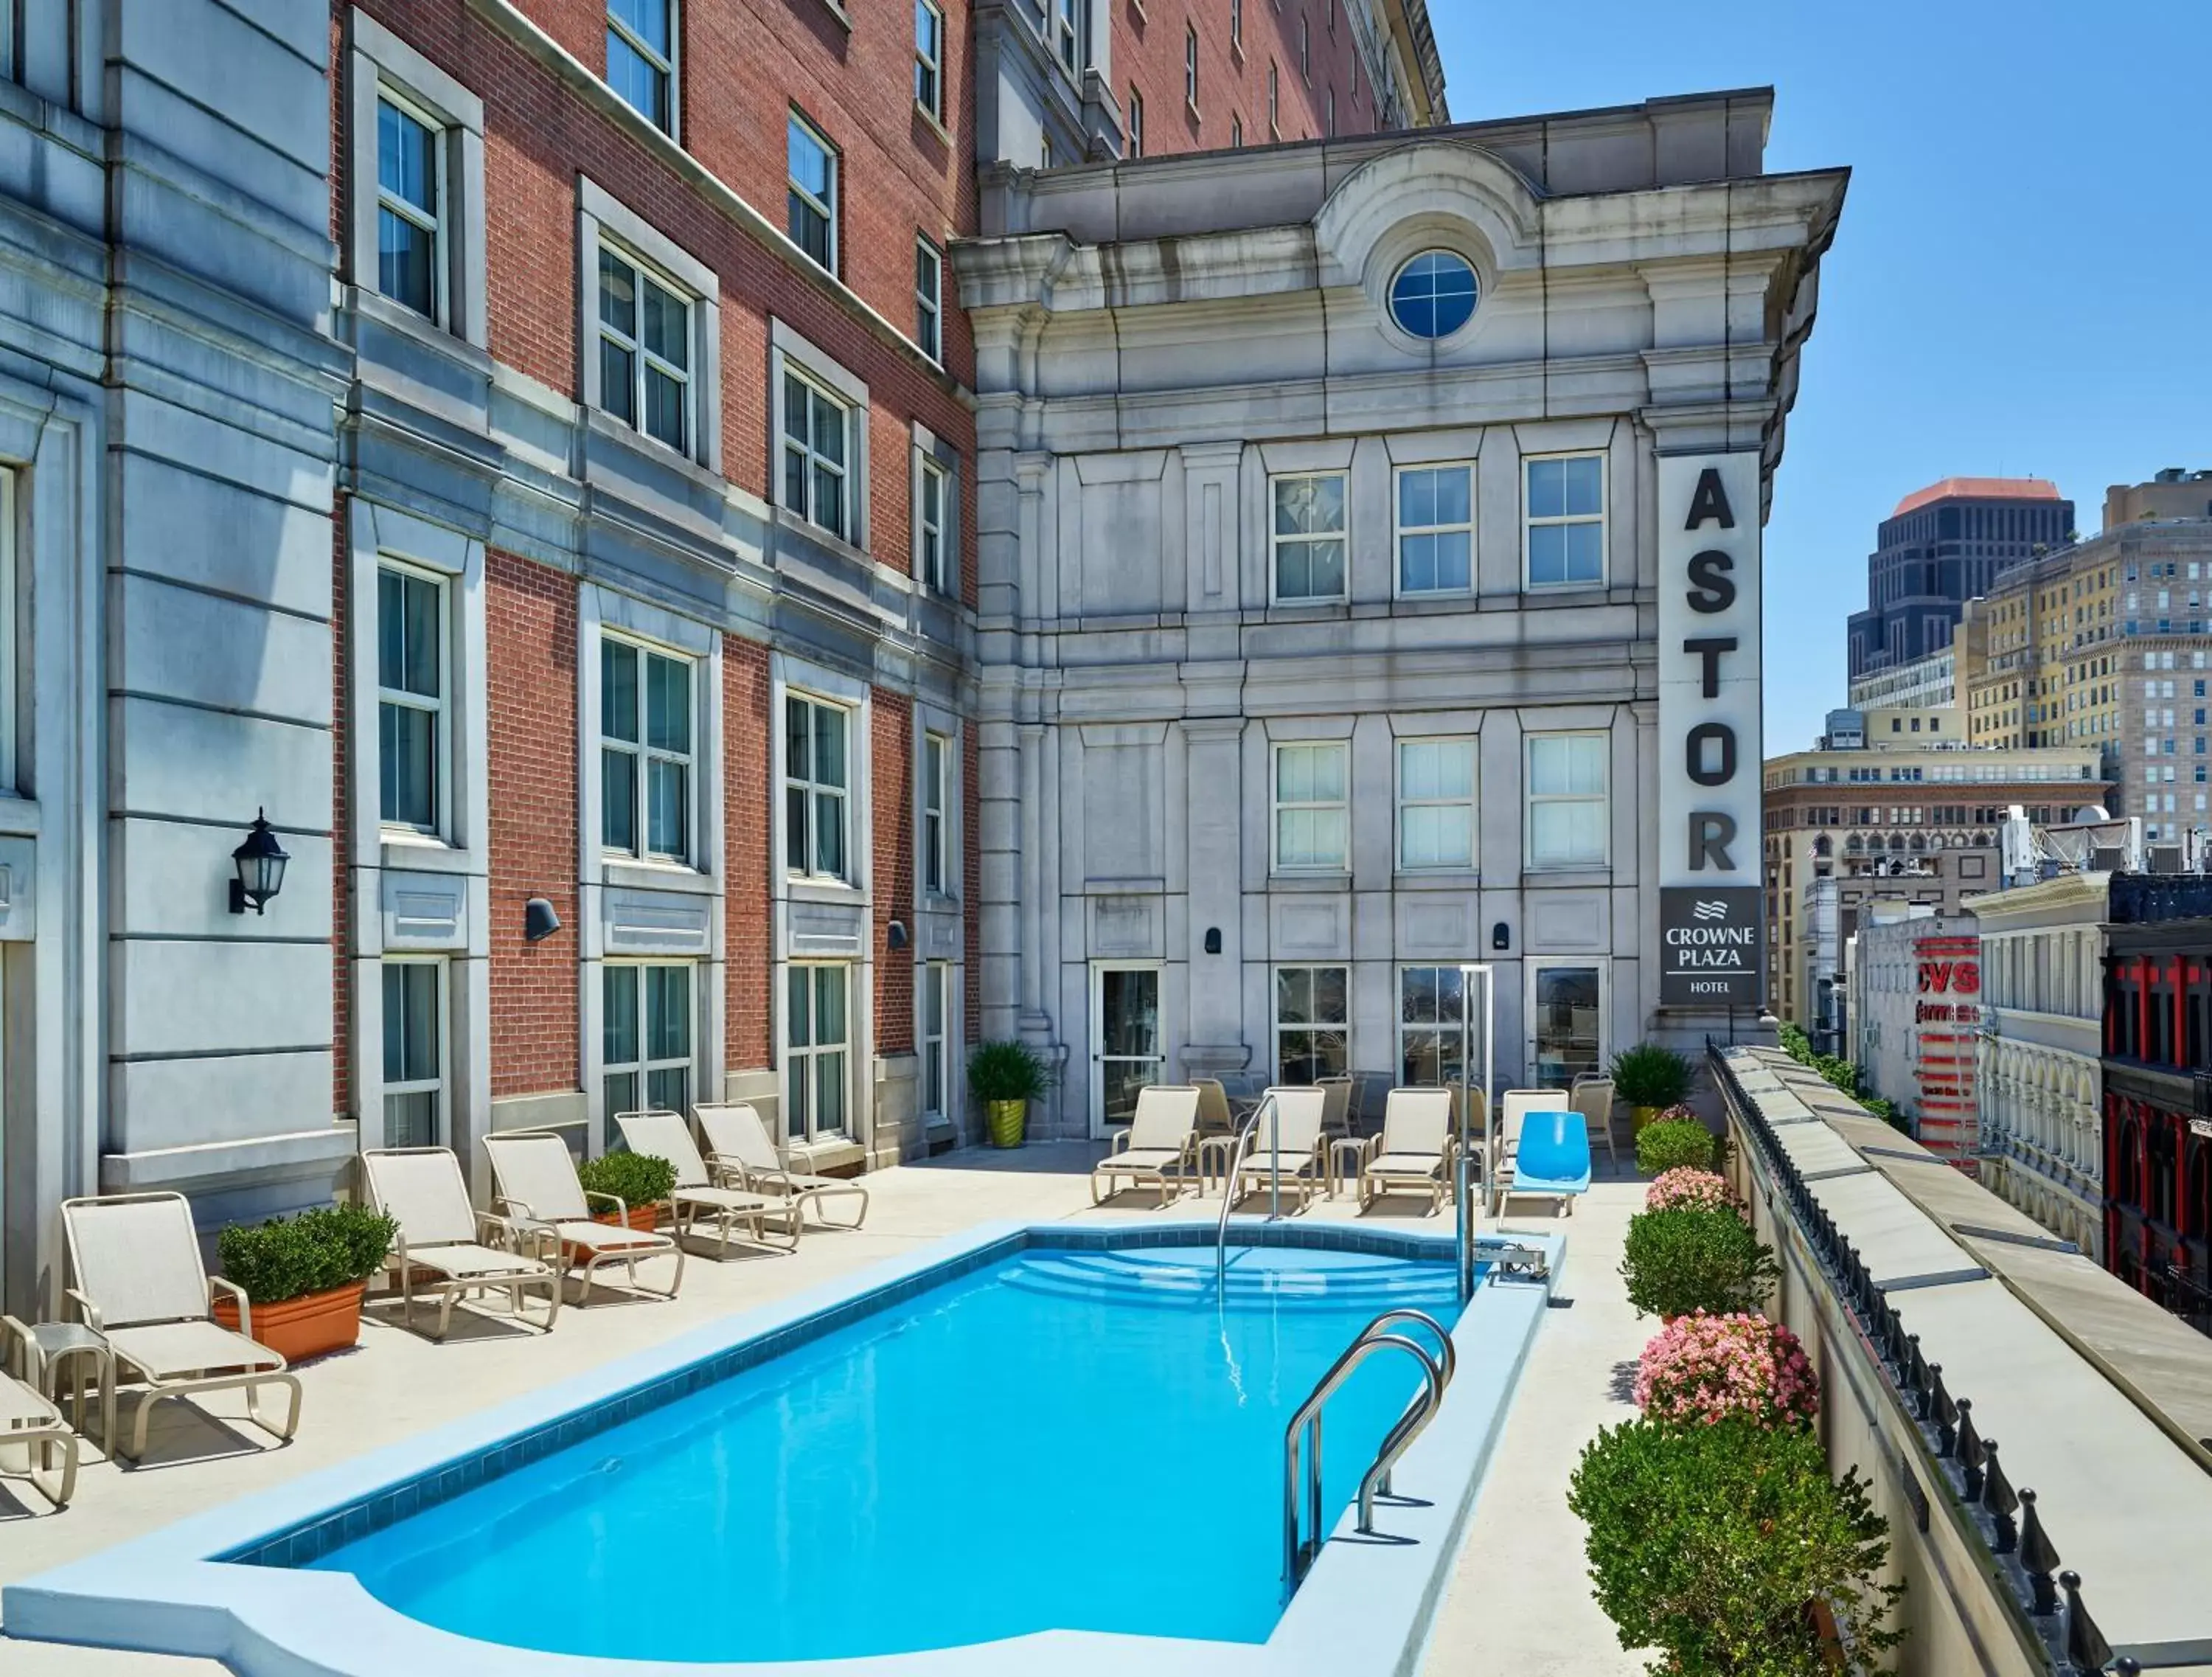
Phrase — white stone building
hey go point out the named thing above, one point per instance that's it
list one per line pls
(1322, 553)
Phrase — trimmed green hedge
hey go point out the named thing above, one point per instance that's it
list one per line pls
(1682, 1260)
(319, 1250)
(636, 1179)
(1674, 1144)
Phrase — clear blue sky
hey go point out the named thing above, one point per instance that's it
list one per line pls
(2023, 280)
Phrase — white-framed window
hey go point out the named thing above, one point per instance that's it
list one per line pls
(641, 59)
(414, 1052)
(413, 732)
(1331, 129)
(1565, 520)
(933, 502)
(1136, 122)
(1067, 36)
(1190, 65)
(645, 349)
(1432, 1001)
(1436, 804)
(1312, 823)
(936, 1040)
(936, 814)
(645, 1039)
(411, 264)
(1274, 100)
(1313, 1027)
(1436, 529)
(1567, 803)
(1236, 133)
(818, 1051)
(1306, 536)
(645, 767)
(929, 298)
(816, 788)
(929, 58)
(817, 454)
(812, 174)
(1237, 22)
(1306, 49)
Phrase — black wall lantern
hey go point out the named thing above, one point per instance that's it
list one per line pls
(895, 934)
(260, 863)
(1213, 940)
(539, 922)
(1501, 936)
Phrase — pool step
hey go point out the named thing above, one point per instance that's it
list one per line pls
(1255, 1275)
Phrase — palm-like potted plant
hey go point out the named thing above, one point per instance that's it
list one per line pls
(1006, 1076)
(305, 1276)
(1650, 1078)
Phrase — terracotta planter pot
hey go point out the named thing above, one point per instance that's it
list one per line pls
(298, 1328)
(1006, 1120)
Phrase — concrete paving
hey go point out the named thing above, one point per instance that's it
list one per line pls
(1518, 1603)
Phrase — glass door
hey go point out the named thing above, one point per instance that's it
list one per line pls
(1125, 1035)
(1565, 1040)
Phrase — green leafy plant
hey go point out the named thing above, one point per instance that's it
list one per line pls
(1674, 1144)
(1008, 1071)
(636, 1179)
(317, 1251)
(1685, 1259)
(1714, 1544)
(1842, 1074)
(1649, 1074)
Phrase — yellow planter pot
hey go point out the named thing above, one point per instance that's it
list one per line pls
(1005, 1119)
(1645, 1114)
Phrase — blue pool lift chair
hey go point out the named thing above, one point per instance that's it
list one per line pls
(1554, 1160)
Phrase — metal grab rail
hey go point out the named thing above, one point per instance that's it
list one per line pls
(1229, 1186)
(1298, 1555)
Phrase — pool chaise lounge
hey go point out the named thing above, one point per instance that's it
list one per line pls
(665, 1135)
(1286, 1145)
(1158, 1148)
(741, 1155)
(28, 1422)
(539, 1189)
(1411, 1153)
(135, 1262)
(445, 1246)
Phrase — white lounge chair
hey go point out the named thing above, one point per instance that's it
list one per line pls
(538, 1189)
(445, 1245)
(135, 1261)
(1592, 1097)
(1286, 1144)
(1514, 1107)
(31, 1424)
(665, 1135)
(1413, 1153)
(741, 1154)
(1157, 1148)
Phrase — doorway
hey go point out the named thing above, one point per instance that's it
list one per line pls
(1125, 1049)
(1566, 1033)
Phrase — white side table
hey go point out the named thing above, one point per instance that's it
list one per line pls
(57, 1343)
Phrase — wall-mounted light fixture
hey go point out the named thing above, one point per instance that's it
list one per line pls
(897, 935)
(539, 922)
(1501, 936)
(261, 863)
(1213, 940)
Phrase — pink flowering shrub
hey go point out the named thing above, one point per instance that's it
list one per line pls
(1686, 1189)
(1679, 1114)
(1700, 1369)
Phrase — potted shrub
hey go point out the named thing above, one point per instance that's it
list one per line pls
(1730, 1549)
(642, 1181)
(1680, 1261)
(1006, 1076)
(1649, 1077)
(1672, 1142)
(1699, 1370)
(304, 1276)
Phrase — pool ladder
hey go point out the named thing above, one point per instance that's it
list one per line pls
(1437, 1371)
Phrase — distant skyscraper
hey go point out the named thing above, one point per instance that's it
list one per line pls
(1943, 545)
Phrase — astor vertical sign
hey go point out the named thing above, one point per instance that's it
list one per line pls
(1711, 934)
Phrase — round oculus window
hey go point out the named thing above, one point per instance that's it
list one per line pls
(1434, 294)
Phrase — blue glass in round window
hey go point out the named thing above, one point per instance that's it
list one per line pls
(1434, 294)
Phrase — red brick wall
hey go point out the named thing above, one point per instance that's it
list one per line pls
(892, 796)
(1148, 55)
(747, 831)
(341, 823)
(530, 682)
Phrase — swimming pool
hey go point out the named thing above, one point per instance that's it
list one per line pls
(1040, 1433)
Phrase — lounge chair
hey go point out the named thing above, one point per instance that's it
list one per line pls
(1413, 1153)
(1158, 1146)
(537, 1190)
(665, 1135)
(1513, 1111)
(1214, 1117)
(31, 1424)
(445, 1246)
(740, 1154)
(135, 1261)
(1286, 1145)
(1593, 1098)
(1555, 1159)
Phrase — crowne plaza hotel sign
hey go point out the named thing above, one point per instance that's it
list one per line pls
(1711, 934)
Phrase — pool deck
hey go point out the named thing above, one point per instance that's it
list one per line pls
(1517, 1602)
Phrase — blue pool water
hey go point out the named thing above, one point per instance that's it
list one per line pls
(1080, 1440)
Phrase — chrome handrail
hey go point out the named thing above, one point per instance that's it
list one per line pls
(1410, 1424)
(1229, 1188)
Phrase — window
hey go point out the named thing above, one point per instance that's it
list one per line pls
(814, 788)
(641, 59)
(929, 59)
(1331, 129)
(936, 808)
(1308, 537)
(1434, 294)
(645, 752)
(1566, 799)
(410, 199)
(816, 481)
(645, 351)
(929, 527)
(1190, 65)
(813, 195)
(1313, 1033)
(414, 1053)
(1064, 29)
(1566, 520)
(936, 1047)
(1436, 803)
(1432, 1001)
(645, 1040)
(1274, 100)
(1311, 809)
(411, 697)
(1436, 529)
(1136, 122)
(1237, 22)
(1306, 49)
(1236, 133)
(928, 294)
(814, 1067)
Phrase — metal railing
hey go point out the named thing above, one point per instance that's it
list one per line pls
(1435, 1373)
(1245, 1132)
(2008, 1520)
